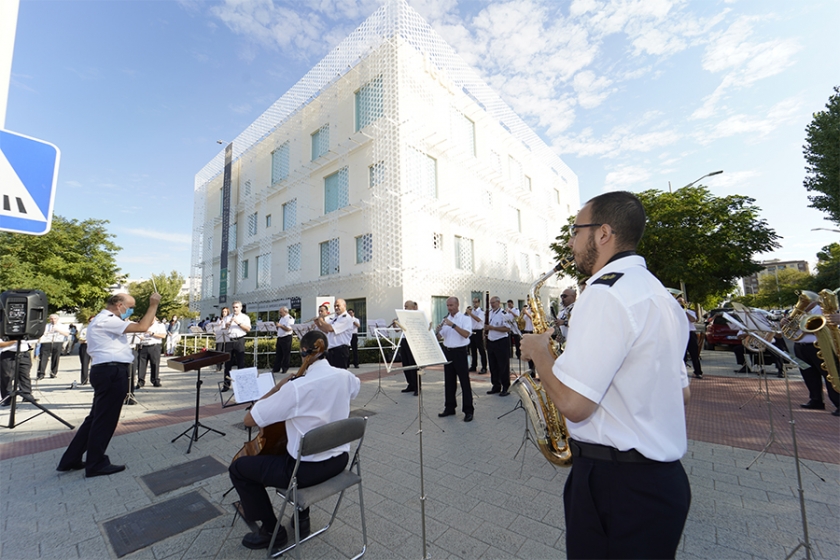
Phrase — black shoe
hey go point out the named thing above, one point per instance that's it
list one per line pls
(742, 370)
(105, 471)
(261, 539)
(407, 390)
(415, 393)
(7, 403)
(225, 389)
(39, 377)
(468, 417)
(483, 370)
(156, 384)
(357, 367)
(28, 397)
(446, 413)
(53, 376)
(813, 405)
(836, 412)
(504, 393)
(304, 526)
(494, 391)
(698, 375)
(77, 466)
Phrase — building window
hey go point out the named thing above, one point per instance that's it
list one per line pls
(268, 220)
(439, 310)
(463, 132)
(208, 286)
(500, 257)
(359, 307)
(518, 219)
(376, 173)
(329, 257)
(463, 253)
(369, 103)
(496, 162)
(264, 270)
(528, 184)
(252, 224)
(247, 189)
(320, 142)
(280, 163)
(244, 271)
(221, 201)
(336, 190)
(364, 248)
(232, 236)
(290, 214)
(294, 257)
(557, 196)
(525, 264)
(438, 242)
(421, 170)
(515, 171)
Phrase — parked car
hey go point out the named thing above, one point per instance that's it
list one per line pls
(718, 331)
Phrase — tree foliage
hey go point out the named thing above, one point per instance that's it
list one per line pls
(828, 269)
(707, 242)
(822, 158)
(169, 288)
(74, 264)
(781, 288)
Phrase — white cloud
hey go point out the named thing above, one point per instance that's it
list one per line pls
(624, 177)
(734, 179)
(177, 238)
(590, 89)
(759, 126)
(74, 184)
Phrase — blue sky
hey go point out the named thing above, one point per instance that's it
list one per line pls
(632, 94)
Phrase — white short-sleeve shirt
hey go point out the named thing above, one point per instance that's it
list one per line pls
(477, 325)
(342, 330)
(235, 331)
(451, 337)
(321, 396)
(107, 341)
(499, 318)
(625, 353)
(286, 321)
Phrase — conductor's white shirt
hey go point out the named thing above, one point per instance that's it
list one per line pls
(625, 353)
(321, 396)
(107, 341)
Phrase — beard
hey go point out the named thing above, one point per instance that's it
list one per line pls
(585, 260)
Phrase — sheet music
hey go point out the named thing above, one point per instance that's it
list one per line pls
(248, 385)
(422, 341)
(301, 329)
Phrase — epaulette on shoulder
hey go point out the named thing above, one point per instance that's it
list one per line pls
(609, 279)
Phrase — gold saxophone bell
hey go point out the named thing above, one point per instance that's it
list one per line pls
(828, 336)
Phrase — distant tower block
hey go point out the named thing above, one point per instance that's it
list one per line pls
(390, 171)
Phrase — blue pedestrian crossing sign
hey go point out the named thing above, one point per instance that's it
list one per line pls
(28, 174)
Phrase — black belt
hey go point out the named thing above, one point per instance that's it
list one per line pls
(605, 453)
(478, 330)
(456, 348)
(112, 364)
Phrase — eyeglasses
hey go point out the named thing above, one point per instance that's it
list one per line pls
(575, 227)
(563, 297)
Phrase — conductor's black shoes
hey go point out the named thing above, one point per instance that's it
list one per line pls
(77, 466)
(105, 471)
(468, 417)
(407, 390)
(813, 405)
(446, 413)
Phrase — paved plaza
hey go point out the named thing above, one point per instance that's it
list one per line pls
(482, 499)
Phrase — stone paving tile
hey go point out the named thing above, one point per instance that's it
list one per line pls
(461, 545)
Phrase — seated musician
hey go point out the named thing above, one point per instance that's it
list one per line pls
(303, 403)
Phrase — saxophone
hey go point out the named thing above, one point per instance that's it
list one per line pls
(791, 329)
(552, 434)
(828, 336)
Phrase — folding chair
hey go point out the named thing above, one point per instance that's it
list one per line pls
(316, 441)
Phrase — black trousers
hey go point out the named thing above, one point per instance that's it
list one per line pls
(110, 386)
(457, 371)
(282, 354)
(49, 351)
(625, 510)
(531, 365)
(251, 475)
(149, 355)
(354, 352)
(222, 347)
(514, 340)
(338, 356)
(84, 360)
(814, 376)
(498, 354)
(694, 351)
(7, 373)
(408, 360)
(236, 347)
(477, 349)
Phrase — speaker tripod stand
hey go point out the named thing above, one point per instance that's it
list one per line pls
(12, 398)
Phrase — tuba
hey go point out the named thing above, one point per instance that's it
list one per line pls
(828, 336)
(806, 301)
(550, 425)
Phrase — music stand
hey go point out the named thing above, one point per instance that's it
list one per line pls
(195, 362)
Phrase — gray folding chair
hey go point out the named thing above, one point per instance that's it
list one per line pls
(316, 441)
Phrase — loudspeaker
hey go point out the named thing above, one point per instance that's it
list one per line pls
(23, 314)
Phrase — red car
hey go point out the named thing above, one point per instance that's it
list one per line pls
(719, 332)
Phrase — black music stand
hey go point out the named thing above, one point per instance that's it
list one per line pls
(195, 362)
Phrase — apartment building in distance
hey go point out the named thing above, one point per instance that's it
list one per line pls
(771, 267)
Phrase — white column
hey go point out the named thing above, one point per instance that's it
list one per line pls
(8, 26)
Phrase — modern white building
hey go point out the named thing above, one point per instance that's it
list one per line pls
(390, 171)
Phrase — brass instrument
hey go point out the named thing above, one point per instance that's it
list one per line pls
(828, 336)
(552, 434)
(806, 301)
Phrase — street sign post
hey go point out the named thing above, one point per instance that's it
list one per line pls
(28, 174)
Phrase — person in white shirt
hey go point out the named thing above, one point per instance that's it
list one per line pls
(339, 331)
(455, 330)
(692, 348)
(220, 333)
(567, 298)
(238, 326)
(8, 349)
(477, 337)
(498, 347)
(322, 396)
(407, 358)
(111, 359)
(51, 344)
(84, 357)
(283, 346)
(621, 383)
(150, 345)
(515, 333)
(354, 341)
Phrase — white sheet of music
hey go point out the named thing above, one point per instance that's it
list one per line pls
(422, 341)
(248, 385)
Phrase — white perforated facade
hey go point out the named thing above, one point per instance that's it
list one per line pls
(390, 171)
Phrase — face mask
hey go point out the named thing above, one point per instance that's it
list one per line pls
(127, 313)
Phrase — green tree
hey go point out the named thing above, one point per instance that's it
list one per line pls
(707, 242)
(780, 288)
(822, 158)
(169, 288)
(828, 269)
(74, 264)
